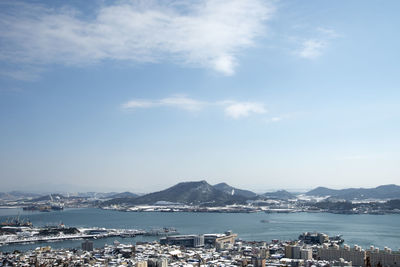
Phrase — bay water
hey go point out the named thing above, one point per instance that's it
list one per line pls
(364, 230)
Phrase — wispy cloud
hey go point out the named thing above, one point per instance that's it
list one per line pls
(25, 74)
(311, 48)
(329, 33)
(275, 119)
(232, 109)
(238, 110)
(181, 102)
(206, 33)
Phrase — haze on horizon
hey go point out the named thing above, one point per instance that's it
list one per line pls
(141, 95)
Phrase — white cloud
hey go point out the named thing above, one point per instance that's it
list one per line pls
(25, 74)
(139, 104)
(233, 109)
(329, 33)
(206, 33)
(225, 64)
(276, 119)
(181, 102)
(311, 48)
(238, 110)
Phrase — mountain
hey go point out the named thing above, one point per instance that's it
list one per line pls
(123, 195)
(280, 194)
(322, 192)
(224, 187)
(14, 195)
(90, 194)
(390, 191)
(194, 193)
(50, 197)
(5, 196)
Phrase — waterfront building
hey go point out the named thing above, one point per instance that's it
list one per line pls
(386, 257)
(356, 255)
(314, 238)
(298, 252)
(219, 241)
(306, 254)
(193, 241)
(87, 245)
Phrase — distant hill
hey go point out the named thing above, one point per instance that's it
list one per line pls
(91, 194)
(390, 191)
(280, 194)
(49, 197)
(322, 192)
(224, 187)
(123, 195)
(195, 193)
(5, 196)
(14, 195)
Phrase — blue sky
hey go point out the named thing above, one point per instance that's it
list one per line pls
(139, 95)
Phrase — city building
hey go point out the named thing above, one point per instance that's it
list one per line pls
(298, 252)
(184, 240)
(87, 245)
(386, 257)
(314, 238)
(356, 255)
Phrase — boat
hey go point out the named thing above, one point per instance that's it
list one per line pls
(15, 222)
(337, 239)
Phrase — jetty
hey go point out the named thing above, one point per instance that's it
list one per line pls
(22, 234)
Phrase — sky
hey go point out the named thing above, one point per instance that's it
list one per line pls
(140, 95)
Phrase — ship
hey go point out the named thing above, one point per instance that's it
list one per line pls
(44, 208)
(15, 222)
(320, 238)
(337, 239)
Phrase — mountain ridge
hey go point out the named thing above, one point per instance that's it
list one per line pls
(193, 193)
(389, 191)
(224, 187)
(280, 194)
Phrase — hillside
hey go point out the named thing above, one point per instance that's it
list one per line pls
(14, 195)
(123, 195)
(49, 197)
(381, 192)
(322, 192)
(280, 194)
(224, 187)
(194, 193)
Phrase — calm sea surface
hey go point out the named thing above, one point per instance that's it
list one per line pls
(364, 230)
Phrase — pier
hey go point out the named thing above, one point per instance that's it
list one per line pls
(20, 235)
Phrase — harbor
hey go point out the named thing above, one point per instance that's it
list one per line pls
(16, 231)
(356, 229)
